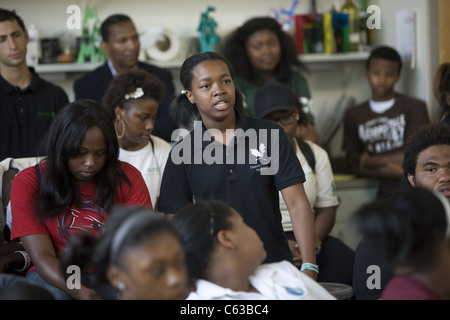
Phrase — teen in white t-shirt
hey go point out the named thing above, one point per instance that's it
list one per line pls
(150, 161)
(133, 100)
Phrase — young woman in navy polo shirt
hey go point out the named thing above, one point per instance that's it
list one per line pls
(240, 160)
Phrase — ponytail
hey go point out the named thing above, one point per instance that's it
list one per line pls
(183, 111)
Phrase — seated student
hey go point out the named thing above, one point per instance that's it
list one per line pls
(71, 191)
(133, 101)
(375, 131)
(425, 165)
(140, 254)
(120, 41)
(224, 259)
(261, 53)
(276, 102)
(412, 230)
(28, 103)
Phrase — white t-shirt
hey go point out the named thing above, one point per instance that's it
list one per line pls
(150, 161)
(381, 106)
(274, 281)
(319, 185)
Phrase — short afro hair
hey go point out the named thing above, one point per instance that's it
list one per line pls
(127, 83)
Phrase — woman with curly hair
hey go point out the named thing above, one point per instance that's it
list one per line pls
(261, 53)
(132, 99)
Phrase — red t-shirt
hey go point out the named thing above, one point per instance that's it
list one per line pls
(89, 218)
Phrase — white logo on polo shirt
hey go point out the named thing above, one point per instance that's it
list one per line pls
(193, 152)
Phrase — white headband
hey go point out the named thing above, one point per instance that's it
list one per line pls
(124, 230)
(134, 95)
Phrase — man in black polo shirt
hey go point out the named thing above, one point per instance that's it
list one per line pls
(28, 103)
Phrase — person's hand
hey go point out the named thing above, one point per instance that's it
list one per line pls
(293, 245)
(311, 274)
(85, 293)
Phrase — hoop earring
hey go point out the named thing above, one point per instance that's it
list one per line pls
(120, 136)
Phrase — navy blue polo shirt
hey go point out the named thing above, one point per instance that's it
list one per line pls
(26, 114)
(247, 175)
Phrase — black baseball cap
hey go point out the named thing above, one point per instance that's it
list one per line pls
(274, 97)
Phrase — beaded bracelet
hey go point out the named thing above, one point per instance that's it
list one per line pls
(310, 267)
(27, 260)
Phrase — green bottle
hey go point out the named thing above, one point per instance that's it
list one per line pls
(353, 24)
(366, 34)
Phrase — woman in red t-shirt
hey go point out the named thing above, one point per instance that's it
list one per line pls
(71, 191)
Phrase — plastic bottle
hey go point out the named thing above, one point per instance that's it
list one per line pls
(33, 47)
(312, 6)
(366, 34)
(353, 24)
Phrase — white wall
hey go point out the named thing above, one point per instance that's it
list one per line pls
(417, 81)
(327, 81)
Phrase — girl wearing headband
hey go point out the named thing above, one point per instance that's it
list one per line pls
(139, 254)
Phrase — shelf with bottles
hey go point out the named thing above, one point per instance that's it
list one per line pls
(343, 33)
(71, 67)
(65, 67)
(334, 57)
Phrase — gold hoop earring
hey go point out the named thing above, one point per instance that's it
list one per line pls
(120, 136)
